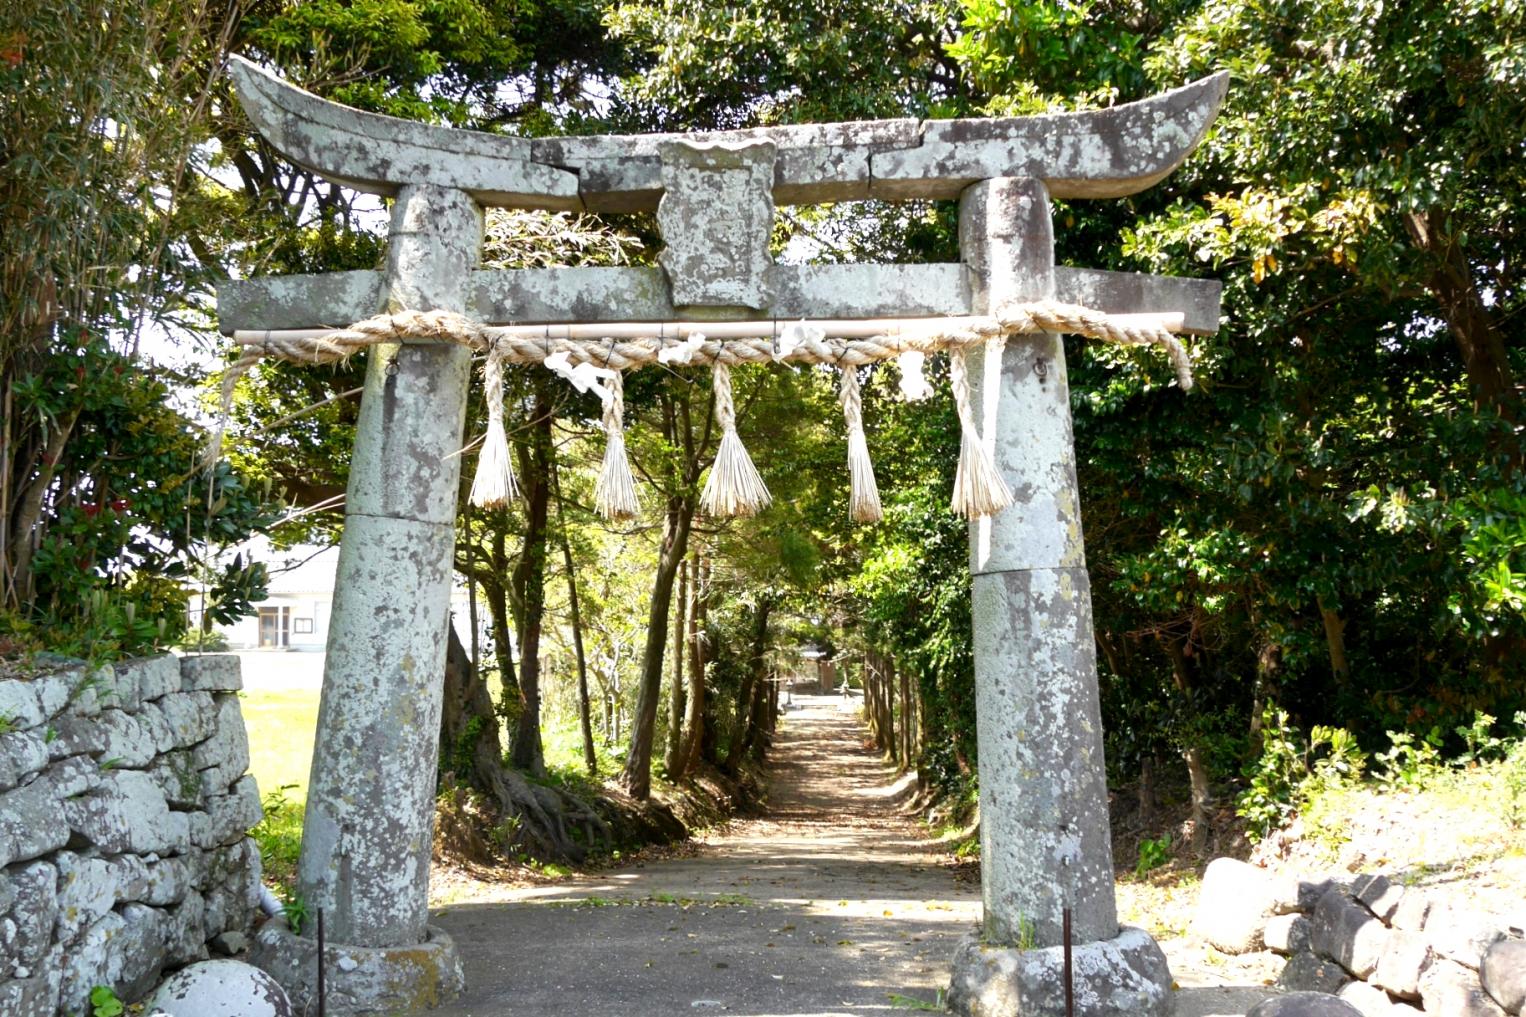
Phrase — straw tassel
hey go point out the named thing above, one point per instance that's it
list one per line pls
(494, 485)
(734, 487)
(615, 493)
(978, 488)
(864, 493)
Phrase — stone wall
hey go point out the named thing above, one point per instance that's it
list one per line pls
(124, 818)
(1387, 949)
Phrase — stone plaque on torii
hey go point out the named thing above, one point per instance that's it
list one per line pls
(1044, 824)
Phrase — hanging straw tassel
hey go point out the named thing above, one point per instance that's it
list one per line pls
(978, 488)
(494, 486)
(734, 487)
(864, 496)
(615, 493)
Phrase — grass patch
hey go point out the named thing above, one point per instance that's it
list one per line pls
(281, 723)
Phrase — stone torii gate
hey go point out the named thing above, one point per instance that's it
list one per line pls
(1045, 833)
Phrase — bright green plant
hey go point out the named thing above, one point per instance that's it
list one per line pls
(1481, 743)
(1408, 762)
(294, 910)
(1514, 772)
(105, 1003)
(1152, 854)
(1291, 770)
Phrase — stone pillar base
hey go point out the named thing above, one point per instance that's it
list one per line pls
(361, 979)
(1126, 976)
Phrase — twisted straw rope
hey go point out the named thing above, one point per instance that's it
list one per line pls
(624, 355)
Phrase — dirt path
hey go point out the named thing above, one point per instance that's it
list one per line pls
(834, 904)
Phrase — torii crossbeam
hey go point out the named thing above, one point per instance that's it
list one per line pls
(1044, 831)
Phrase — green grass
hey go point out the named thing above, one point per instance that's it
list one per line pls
(281, 724)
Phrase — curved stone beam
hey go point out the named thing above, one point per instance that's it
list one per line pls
(379, 154)
(1104, 153)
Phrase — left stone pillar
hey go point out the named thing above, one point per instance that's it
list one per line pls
(366, 837)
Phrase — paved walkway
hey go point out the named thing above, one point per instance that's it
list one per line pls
(828, 906)
(833, 905)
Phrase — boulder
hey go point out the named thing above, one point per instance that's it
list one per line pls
(212, 672)
(1378, 895)
(1348, 933)
(127, 812)
(1447, 987)
(1234, 903)
(1503, 974)
(1299, 894)
(1288, 934)
(1309, 972)
(1460, 934)
(151, 677)
(1304, 1004)
(1412, 911)
(1404, 959)
(1369, 1000)
(221, 988)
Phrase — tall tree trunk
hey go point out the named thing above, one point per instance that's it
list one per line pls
(694, 723)
(525, 749)
(747, 707)
(673, 758)
(1335, 640)
(590, 759)
(1473, 327)
(1197, 766)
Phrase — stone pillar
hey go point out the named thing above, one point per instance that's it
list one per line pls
(1043, 795)
(366, 837)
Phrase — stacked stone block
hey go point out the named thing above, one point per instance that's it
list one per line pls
(1387, 949)
(124, 818)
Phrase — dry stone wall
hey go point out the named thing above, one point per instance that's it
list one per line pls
(124, 817)
(1387, 949)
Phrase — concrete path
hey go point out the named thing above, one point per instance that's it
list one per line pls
(827, 906)
(834, 904)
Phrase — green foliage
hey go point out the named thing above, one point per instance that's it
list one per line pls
(1408, 763)
(279, 836)
(104, 1002)
(1152, 854)
(1292, 770)
(294, 910)
(1514, 772)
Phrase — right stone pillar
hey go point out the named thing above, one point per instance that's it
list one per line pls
(1044, 829)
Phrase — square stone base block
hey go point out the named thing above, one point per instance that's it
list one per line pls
(360, 979)
(1126, 976)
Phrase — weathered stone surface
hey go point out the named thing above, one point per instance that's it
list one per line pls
(1299, 894)
(141, 950)
(221, 988)
(1348, 933)
(1104, 153)
(1309, 972)
(211, 672)
(1503, 974)
(1234, 905)
(287, 301)
(228, 817)
(1289, 934)
(19, 705)
(1378, 895)
(36, 996)
(127, 812)
(187, 716)
(113, 736)
(68, 687)
(1447, 987)
(132, 877)
(1125, 975)
(383, 154)
(716, 217)
(88, 962)
(151, 677)
(184, 934)
(168, 881)
(31, 823)
(1460, 934)
(87, 890)
(1404, 959)
(230, 944)
(408, 979)
(177, 776)
(1369, 1000)
(27, 932)
(22, 753)
(224, 756)
(1414, 907)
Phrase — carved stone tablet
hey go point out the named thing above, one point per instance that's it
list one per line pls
(716, 217)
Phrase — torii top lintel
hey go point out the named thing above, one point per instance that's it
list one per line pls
(1095, 154)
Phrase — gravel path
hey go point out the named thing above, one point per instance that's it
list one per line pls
(833, 904)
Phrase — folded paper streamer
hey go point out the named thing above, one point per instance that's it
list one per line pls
(683, 351)
(793, 336)
(914, 386)
(585, 377)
